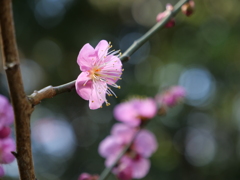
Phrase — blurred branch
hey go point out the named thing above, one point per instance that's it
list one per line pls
(49, 92)
(22, 107)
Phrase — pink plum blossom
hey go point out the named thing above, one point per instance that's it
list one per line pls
(6, 112)
(99, 69)
(134, 164)
(7, 145)
(171, 97)
(162, 15)
(86, 176)
(132, 167)
(136, 110)
(188, 8)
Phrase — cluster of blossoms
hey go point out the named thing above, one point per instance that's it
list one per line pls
(135, 163)
(7, 144)
(187, 9)
(134, 114)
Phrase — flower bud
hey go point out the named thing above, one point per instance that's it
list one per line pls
(162, 15)
(188, 8)
(171, 97)
(86, 176)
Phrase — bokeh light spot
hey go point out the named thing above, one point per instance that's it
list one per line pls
(145, 11)
(199, 85)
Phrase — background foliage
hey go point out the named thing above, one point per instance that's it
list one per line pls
(197, 140)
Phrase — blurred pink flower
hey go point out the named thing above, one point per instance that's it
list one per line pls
(132, 167)
(171, 97)
(99, 69)
(124, 169)
(134, 164)
(162, 15)
(86, 176)
(2, 173)
(134, 111)
(6, 112)
(188, 8)
(5, 132)
(7, 145)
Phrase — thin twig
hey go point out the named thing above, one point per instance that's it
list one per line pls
(49, 92)
(139, 42)
(22, 107)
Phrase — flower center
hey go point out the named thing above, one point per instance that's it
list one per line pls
(94, 73)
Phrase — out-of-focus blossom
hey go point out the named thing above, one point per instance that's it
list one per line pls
(86, 176)
(136, 110)
(134, 164)
(99, 69)
(171, 97)
(6, 112)
(188, 8)
(5, 132)
(2, 173)
(162, 15)
(123, 170)
(7, 145)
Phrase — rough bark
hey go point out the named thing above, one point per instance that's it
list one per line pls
(22, 107)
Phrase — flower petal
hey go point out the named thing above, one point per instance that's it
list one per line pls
(5, 132)
(123, 133)
(7, 146)
(125, 173)
(124, 169)
(113, 68)
(109, 146)
(86, 57)
(140, 168)
(98, 95)
(6, 111)
(84, 86)
(84, 176)
(126, 113)
(145, 143)
(147, 108)
(102, 49)
(111, 159)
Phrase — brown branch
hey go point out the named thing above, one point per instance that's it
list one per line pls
(22, 107)
(49, 92)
